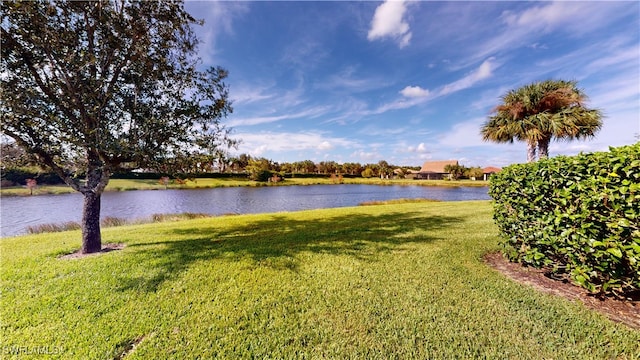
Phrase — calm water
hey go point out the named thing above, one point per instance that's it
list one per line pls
(17, 213)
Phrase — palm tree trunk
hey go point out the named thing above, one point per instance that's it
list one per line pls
(543, 148)
(531, 151)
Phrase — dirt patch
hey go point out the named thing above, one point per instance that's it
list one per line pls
(622, 311)
(105, 249)
(130, 346)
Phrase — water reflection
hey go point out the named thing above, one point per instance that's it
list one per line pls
(17, 213)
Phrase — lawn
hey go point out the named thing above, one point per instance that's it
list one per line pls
(386, 281)
(199, 183)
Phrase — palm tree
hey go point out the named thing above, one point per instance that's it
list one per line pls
(539, 112)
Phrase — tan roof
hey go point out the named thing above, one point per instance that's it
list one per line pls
(491, 169)
(437, 166)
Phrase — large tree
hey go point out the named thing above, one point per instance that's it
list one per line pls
(114, 82)
(539, 112)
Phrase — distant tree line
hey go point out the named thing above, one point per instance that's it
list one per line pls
(259, 168)
(15, 160)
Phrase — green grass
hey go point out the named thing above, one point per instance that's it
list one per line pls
(200, 183)
(388, 281)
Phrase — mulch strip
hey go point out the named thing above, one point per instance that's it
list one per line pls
(622, 311)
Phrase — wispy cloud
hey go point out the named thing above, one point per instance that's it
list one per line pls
(250, 94)
(574, 18)
(389, 22)
(416, 95)
(484, 71)
(309, 113)
(219, 17)
(304, 53)
(364, 156)
(348, 80)
(464, 134)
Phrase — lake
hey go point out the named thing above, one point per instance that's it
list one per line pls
(17, 213)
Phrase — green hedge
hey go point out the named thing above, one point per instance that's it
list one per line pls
(154, 175)
(19, 176)
(577, 216)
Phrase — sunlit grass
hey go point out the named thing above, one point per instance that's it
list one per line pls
(387, 281)
(396, 201)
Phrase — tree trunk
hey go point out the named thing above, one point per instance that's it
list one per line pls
(543, 148)
(91, 238)
(531, 151)
(97, 180)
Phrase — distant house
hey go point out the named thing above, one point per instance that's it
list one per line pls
(434, 170)
(490, 170)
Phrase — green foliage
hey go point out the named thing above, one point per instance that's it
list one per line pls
(474, 172)
(578, 216)
(367, 173)
(541, 111)
(456, 171)
(100, 86)
(259, 169)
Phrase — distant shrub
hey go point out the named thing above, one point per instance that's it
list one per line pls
(111, 221)
(176, 217)
(47, 228)
(367, 173)
(576, 216)
(261, 175)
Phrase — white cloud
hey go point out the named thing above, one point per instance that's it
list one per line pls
(325, 145)
(414, 92)
(388, 21)
(364, 156)
(421, 149)
(274, 143)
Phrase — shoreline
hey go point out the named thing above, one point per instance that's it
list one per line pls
(207, 183)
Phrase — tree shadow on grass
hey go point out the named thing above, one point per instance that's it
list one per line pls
(278, 242)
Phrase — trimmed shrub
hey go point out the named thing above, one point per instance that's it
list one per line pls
(575, 216)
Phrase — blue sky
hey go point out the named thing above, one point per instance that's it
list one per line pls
(411, 81)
